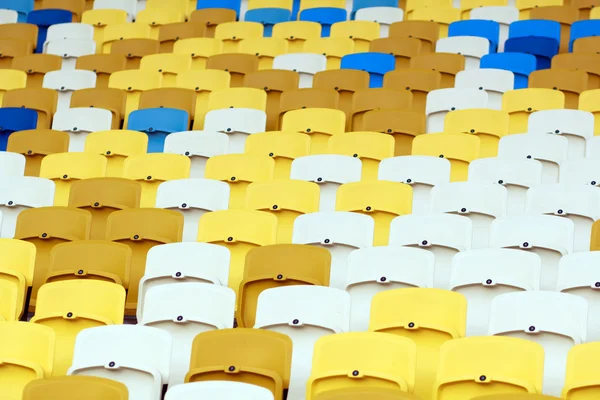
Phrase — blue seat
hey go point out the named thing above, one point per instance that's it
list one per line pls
(376, 64)
(268, 17)
(13, 119)
(520, 64)
(540, 38)
(326, 16)
(358, 4)
(23, 7)
(584, 28)
(44, 19)
(231, 4)
(295, 10)
(157, 123)
(489, 30)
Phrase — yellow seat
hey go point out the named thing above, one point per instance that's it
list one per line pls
(334, 48)
(68, 307)
(11, 79)
(17, 263)
(133, 82)
(519, 104)
(64, 168)
(239, 170)
(283, 147)
(467, 5)
(488, 365)
(516, 397)
(27, 354)
(361, 32)
(444, 16)
(239, 231)
(582, 370)
(181, 6)
(319, 123)
(402, 125)
(306, 4)
(116, 146)
(231, 33)
(154, 18)
(296, 33)
(203, 83)
(238, 97)
(153, 169)
(266, 49)
(259, 357)
(430, 317)
(590, 101)
(100, 19)
(525, 6)
(369, 147)
(286, 4)
(412, 5)
(75, 387)
(460, 149)
(360, 393)
(199, 49)
(362, 360)
(382, 200)
(594, 13)
(141, 229)
(286, 199)
(488, 125)
(116, 32)
(168, 64)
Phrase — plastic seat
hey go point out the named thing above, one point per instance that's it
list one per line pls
(284, 147)
(76, 7)
(23, 31)
(101, 18)
(238, 65)
(367, 100)
(211, 17)
(579, 367)
(381, 200)
(170, 98)
(333, 48)
(586, 45)
(487, 29)
(109, 99)
(181, 6)
(268, 17)
(571, 82)
(521, 64)
(471, 47)
(377, 64)
(299, 99)
(45, 18)
(35, 145)
(501, 13)
(168, 64)
(443, 16)
(325, 14)
(481, 275)
(198, 146)
(418, 81)
(231, 33)
(15, 119)
(22, 7)
(336, 357)
(375, 270)
(587, 102)
(12, 48)
(134, 50)
(157, 18)
(467, 365)
(296, 33)
(447, 64)
(420, 172)
(383, 15)
(426, 31)
(16, 276)
(129, 6)
(541, 38)
(236, 123)
(517, 176)
(103, 65)
(73, 386)
(402, 48)
(9, 16)
(158, 123)
(172, 308)
(579, 172)
(402, 125)
(117, 32)
(73, 30)
(550, 150)
(250, 98)
(370, 147)
(306, 64)
(116, 146)
(30, 349)
(70, 50)
(12, 164)
(41, 100)
(488, 125)
(362, 32)
(218, 390)
(440, 102)
(581, 29)
(521, 103)
(322, 124)
(65, 82)
(11, 79)
(199, 49)
(494, 81)
(565, 15)
(587, 62)
(80, 122)
(133, 82)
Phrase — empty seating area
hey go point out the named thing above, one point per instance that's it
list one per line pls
(299, 199)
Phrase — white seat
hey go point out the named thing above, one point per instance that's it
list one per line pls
(550, 150)
(385, 16)
(70, 50)
(472, 47)
(444, 235)
(339, 232)
(80, 122)
(135, 355)
(128, 5)
(577, 126)
(517, 176)
(504, 15)
(186, 310)
(237, 123)
(329, 171)
(548, 236)
(579, 203)
(481, 275)
(481, 202)
(199, 146)
(557, 321)
(70, 30)
(304, 313)
(420, 172)
(8, 16)
(377, 269)
(18, 193)
(578, 275)
(494, 81)
(306, 64)
(184, 262)
(11, 164)
(592, 148)
(193, 198)
(442, 101)
(218, 390)
(66, 82)
(585, 171)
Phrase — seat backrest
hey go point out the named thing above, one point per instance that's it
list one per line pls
(73, 387)
(219, 390)
(29, 344)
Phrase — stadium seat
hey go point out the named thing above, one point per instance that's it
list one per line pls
(494, 81)
(268, 17)
(579, 367)
(129, 6)
(441, 102)
(361, 32)
(199, 49)
(237, 97)
(165, 24)
(23, 31)
(35, 144)
(306, 64)
(237, 123)
(481, 275)
(471, 47)
(231, 33)
(521, 64)
(580, 172)
(383, 15)
(447, 64)
(502, 14)
(467, 366)
(101, 18)
(565, 15)
(170, 98)
(367, 100)
(14, 119)
(168, 64)
(562, 317)
(571, 82)
(265, 49)
(41, 100)
(586, 45)
(322, 124)
(487, 29)
(362, 360)
(117, 32)
(72, 387)
(202, 83)
(402, 48)
(418, 81)
(71, 31)
(22, 7)
(158, 123)
(587, 62)
(133, 82)
(17, 266)
(283, 147)
(80, 122)
(192, 198)
(70, 50)
(521, 103)
(369, 147)
(116, 146)
(103, 65)
(426, 31)
(296, 33)
(30, 349)
(326, 15)
(66, 82)
(345, 83)
(376, 64)
(489, 126)
(402, 125)
(211, 17)
(8, 16)
(583, 28)
(299, 99)
(11, 79)
(109, 99)
(134, 50)
(238, 65)
(173, 308)
(12, 164)
(218, 390)
(333, 48)
(198, 146)
(44, 19)
(541, 38)
(76, 7)
(375, 270)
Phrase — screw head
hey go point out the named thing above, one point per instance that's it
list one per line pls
(409, 180)
(231, 368)
(560, 212)
(44, 235)
(531, 328)
(327, 241)
(28, 151)
(411, 324)
(80, 272)
(96, 204)
(69, 314)
(501, 181)
(295, 322)
(488, 281)
(441, 156)
(184, 205)
(65, 176)
(180, 318)
(319, 179)
(149, 177)
(368, 208)
(482, 378)
(230, 239)
(271, 154)
(463, 210)
(383, 279)
(424, 242)
(178, 274)
(108, 153)
(525, 244)
(136, 237)
(10, 203)
(354, 155)
(111, 364)
(529, 108)
(187, 153)
(275, 207)
(355, 372)
(279, 276)
(529, 156)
